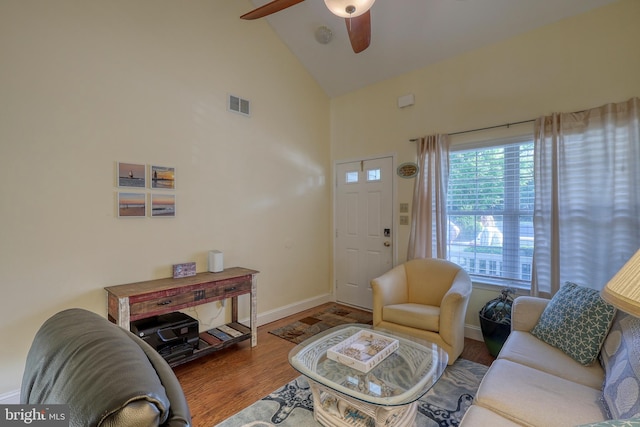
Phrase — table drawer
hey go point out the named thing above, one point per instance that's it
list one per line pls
(162, 303)
(228, 290)
(193, 296)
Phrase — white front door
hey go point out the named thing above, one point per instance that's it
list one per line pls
(364, 227)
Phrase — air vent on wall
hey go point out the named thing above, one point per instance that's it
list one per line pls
(239, 105)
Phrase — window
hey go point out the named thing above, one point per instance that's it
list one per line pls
(373, 174)
(351, 177)
(490, 211)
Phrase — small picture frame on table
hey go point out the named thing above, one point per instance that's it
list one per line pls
(187, 269)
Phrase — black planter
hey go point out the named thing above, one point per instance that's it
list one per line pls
(494, 334)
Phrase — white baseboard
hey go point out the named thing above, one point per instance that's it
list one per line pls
(288, 310)
(473, 332)
(10, 398)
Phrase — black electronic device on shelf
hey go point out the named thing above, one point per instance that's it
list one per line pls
(173, 335)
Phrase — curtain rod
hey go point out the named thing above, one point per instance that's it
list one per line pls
(485, 128)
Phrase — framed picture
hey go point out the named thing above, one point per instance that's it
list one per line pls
(163, 205)
(407, 170)
(132, 175)
(132, 205)
(162, 177)
(187, 269)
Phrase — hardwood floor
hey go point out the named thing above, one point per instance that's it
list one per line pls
(223, 383)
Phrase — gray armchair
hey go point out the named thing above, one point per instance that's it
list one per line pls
(107, 375)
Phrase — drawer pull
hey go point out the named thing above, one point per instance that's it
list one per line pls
(233, 288)
(167, 302)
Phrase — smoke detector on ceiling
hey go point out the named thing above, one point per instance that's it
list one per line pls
(323, 35)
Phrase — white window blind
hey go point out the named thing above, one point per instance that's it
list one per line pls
(490, 211)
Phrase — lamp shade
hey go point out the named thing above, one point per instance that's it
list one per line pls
(349, 8)
(623, 290)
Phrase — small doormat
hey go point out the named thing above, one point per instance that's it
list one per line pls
(335, 315)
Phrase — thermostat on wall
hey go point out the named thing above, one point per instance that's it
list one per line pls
(406, 101)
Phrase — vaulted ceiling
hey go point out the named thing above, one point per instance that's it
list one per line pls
(408, 34)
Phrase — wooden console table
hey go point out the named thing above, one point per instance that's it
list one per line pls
(134, 301)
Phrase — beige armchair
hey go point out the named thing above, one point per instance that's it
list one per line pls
(426, 298)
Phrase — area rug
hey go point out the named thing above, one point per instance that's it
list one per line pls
(334, 315)
(292, 405)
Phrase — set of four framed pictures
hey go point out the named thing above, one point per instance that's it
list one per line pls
(131, 203)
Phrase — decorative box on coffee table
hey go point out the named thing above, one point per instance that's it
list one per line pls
(363, 350)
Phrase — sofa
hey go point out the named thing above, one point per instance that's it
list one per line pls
(533, 383)
(106, 375)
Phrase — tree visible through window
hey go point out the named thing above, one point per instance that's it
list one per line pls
(490, 211)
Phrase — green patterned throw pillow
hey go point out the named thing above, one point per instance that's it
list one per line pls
(576, 321)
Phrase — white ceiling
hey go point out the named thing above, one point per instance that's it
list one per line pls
(409, 34)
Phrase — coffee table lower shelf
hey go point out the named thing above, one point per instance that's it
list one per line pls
(331, 408)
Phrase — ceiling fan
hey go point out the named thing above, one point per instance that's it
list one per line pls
(356, 13)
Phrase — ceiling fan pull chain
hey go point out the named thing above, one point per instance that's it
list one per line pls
(350, 9)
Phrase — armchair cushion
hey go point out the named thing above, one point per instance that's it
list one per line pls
(413, 315)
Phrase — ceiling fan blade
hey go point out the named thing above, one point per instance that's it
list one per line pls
(359, 29)
(269, 8)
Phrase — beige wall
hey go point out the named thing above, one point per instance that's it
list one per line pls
(84, 84)
(574, 64)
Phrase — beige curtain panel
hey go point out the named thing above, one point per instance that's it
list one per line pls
(587, 197)
(428, 237)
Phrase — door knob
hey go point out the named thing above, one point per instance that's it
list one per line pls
(387, 243)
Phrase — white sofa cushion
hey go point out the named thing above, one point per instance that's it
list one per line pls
(524, 348)
(532, 397)
(479, 416)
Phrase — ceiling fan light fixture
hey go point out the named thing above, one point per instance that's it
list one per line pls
(349, 8)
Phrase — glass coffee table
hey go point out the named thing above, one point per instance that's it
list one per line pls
(386, 395)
